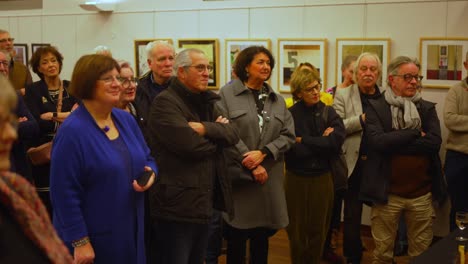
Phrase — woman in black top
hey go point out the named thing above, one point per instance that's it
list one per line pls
(42, 100)
(309, 184)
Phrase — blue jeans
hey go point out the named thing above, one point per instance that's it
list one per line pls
(215, 239)
(179, 242)
(456, 172)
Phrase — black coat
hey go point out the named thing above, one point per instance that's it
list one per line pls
(385, 142)
(192, 173)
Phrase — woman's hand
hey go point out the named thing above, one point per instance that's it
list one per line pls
(328, 131)
(150, 182)
(84, 254)
(252, 159)
(48, 116)
(260, 174)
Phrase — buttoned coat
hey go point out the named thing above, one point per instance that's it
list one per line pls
(348, 105)
(257, 205)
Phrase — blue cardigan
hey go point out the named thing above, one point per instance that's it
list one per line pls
(91, 190)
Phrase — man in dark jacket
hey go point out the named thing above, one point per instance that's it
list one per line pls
(403, 172)
(188, 136)
(161, 56)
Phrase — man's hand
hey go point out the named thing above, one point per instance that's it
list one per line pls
(423, 134)
(84, 254)
(260, 174)
(363, 117)
(22, 119)
(252, 159)
(48, 116)
(222, 120)
(328, 131)
(199, 128)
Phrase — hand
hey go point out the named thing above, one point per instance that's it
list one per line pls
(252, 159)
(22, 119)
(48, 116)
(222, 120)
(363, 117)
(84, 254)
(150, 182)
(328, 131)
(298, 140)
(75, 106)
(260, 174)
(22, 91)
(423, 134)
(199, 128)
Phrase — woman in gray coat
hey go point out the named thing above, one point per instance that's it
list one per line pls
(256, 163)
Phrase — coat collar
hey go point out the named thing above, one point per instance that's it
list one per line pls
(239, 88)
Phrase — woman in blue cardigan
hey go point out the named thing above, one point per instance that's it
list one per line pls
(98, 154)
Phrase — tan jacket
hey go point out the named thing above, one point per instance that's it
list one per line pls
(20, 76)
(456, 117)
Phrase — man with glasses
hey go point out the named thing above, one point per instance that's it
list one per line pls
(352, 104)
(160, 56)
(28, 128)
(19, 73)
(188, 135)
(403, 173)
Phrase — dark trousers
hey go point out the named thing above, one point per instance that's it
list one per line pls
(178, 242)
(215, 238)
(352, 243)
(456, 172)
(236, 244)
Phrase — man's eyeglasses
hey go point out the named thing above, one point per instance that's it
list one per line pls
(409, 77)
(7, 39)
(4, 63)
(201, 68)
(126, 82)
(317, 87)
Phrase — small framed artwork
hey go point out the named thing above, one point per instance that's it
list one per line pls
(234, 46)
(355, 46)
(442, 61)
(210, 48)
(35, 46)
(21, 53)
(141, 63)
(293, 52)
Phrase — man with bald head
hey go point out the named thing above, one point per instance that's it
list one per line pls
(351, 104)
(19, 74)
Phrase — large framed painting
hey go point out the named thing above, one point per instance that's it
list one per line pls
(293, 52)
(210, 48)
(234, 46)
(442, 61)
(141, 63)
(21, 53)
(355, 46)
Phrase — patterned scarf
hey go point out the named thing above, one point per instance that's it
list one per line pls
(404, 111)
(21, 199)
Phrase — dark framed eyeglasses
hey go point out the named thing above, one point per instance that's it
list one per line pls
(409, 77)
(201, 68)
(7, 39)
(317, 87)
(126, 82)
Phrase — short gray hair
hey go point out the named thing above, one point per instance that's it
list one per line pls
(2, 31)
(395, 64)
(183, 59)
(103, 50)
(365, 55)
(7, 54)
(157, 43)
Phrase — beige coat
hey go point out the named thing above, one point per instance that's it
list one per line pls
(456, 117)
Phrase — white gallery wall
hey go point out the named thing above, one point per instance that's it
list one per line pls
(76, 32)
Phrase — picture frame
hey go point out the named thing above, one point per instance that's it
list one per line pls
(35, 46)
(442, 61)
(141, 63)
(211, 48)
(234, 46)
(355, 46)
(292, 52)
(21, 53)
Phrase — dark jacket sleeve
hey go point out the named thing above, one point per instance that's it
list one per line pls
(33, 100)
(168, 125)
(222, 134)
(26, 129)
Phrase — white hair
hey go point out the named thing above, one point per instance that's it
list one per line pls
(157, 43)
(103, 50)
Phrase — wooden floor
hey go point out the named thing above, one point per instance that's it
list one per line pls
(279, 249)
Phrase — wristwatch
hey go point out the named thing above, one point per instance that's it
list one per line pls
(54, 114)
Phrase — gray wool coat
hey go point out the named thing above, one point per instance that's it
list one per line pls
(257, 205)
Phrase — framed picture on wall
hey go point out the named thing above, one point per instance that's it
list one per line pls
(21, 53)
(141, 63)
(442, 61)
(35, 46)
(210, 47)
(234, 46)
(293, 52)
(355, 46)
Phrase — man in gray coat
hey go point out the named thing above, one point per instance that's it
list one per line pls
(351, 104)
